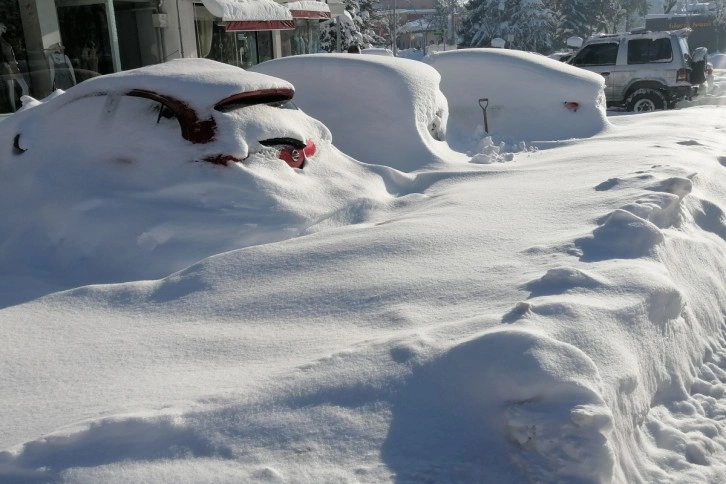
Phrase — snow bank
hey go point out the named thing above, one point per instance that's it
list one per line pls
(557, 319)
(528, 96)
(380, 109)
(378, 51)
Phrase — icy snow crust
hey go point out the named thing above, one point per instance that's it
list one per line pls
(382, 112)
(556, 318)
(526, 92)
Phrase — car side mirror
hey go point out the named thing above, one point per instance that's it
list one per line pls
(574, 42)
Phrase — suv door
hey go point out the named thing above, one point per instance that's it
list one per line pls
(646, 58)
(599, 57)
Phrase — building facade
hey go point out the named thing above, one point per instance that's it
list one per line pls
(53, 44)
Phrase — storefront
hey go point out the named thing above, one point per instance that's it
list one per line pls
(55, 44)
(247, 33)
(239, 33)
(49, 44)
(305, 38)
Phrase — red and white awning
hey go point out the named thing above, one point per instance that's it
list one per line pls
(309, 9)
(240, 15)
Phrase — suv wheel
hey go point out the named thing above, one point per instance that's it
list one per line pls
(646, 100)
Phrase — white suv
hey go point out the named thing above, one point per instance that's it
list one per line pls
(644, 71)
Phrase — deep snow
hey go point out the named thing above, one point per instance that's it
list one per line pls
(555, 315)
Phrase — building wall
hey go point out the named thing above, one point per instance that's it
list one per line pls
(407, 4)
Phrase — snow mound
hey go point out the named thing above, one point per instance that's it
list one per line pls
(542, 394)
(381, 110)
(567, 102)
(622, 235)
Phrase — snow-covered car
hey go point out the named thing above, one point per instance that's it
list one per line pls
(380, 110)
(162, 97)
(492, 88)
(189, 143)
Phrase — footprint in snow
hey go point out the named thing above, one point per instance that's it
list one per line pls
(622, 235)
(561, 279)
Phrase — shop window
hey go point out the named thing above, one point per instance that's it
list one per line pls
(28, 66)
(84, 30)
(305, 39)
(241, 49)
(15, 80)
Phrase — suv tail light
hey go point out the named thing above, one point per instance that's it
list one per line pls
(682, 75)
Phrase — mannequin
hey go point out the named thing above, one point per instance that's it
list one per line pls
(9, 69)
(61, 69)
(89, 57)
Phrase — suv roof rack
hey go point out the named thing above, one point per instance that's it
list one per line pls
(684, 32)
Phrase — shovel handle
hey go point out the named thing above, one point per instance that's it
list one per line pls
(484, 102)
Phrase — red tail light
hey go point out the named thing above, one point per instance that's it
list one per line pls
(682, 75)
(295, 157)
(571, 105)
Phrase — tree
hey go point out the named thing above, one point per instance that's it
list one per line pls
(485, 20)
(533, 26)
(668, 5)
(356, 26)
(573, 18)
(445, 10)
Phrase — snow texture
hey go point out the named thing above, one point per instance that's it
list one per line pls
(252, 10)
(558, 317)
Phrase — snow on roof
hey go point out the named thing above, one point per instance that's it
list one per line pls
(308, 5)
(645, 34)
(418, 25)
(264, 10)
(199, 82)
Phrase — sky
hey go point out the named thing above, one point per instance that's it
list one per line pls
(542, 302)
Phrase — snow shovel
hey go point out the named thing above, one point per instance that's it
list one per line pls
(483, 104)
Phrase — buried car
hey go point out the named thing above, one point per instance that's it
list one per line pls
(139, 174)
(381, 110)
(492, 88)
(163, 96)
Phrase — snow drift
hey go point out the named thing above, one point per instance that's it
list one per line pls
(558, 317)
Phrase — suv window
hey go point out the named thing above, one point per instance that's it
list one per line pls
(643, 51)
(601, 54)
(684, 48)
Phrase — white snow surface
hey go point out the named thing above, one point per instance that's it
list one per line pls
(308, 5)
(557, 316)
